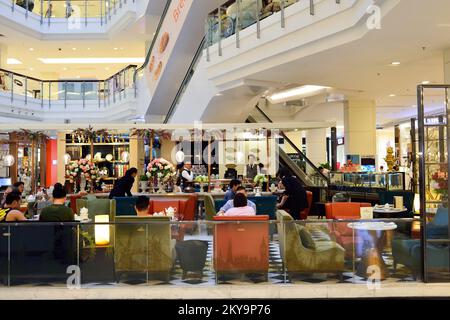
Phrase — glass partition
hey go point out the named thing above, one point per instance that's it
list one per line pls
(153, 250)
(433, 129)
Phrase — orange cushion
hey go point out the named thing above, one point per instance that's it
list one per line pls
(162, 205)
(241, 218)
(344, 210)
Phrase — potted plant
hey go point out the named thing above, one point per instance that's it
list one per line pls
(143, 181)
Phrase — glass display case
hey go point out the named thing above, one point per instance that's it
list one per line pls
(368, 180)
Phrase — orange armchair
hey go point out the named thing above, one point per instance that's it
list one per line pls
(304, 214)
(240, 245)
(348, 238)
(344, 210)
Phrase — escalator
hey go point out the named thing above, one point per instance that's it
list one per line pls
(298, 163)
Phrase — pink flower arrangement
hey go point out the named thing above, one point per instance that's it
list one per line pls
(80, 168)
(161, 168)
(440, 184)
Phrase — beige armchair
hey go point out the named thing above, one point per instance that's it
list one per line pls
(301, 253)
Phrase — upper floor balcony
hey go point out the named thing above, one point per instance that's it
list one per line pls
(26, 98)
(62, 19)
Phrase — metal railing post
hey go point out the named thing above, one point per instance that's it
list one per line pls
(238, 21)
(283, 22)
(26, 90)
(219, 42)
(109, 9)
(85, 13)
(65, 94)
(12, 87)
(104, 93)
(98, 94)
(311, 7)
(49, 94)
(101, 12)
(49, 12)
(208, 37)
(125, 84)
(115, 7)
(258, 20)
(12, 5)
(42, 94)
(26, 8)
(42, 11)
(83, 89)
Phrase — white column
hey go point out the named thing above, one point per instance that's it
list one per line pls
(316, 145)
(360, 127)
(60, 152)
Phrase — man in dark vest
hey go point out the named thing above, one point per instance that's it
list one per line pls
(251, 169)
(187, 176)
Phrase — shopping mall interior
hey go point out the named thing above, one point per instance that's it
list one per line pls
(224, 149)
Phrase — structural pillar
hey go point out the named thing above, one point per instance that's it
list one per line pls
(360, 127)
(60, 152)
(316, 146)
(137, 159)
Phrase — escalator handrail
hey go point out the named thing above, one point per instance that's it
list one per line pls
(186, 79)
(294, 146)
(152, 45)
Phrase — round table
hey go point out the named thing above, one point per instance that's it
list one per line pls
(372, 251)
(387, 212)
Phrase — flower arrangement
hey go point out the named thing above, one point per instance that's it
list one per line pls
(260, 179)
(81, 168)
(440, 182)
(161, 169)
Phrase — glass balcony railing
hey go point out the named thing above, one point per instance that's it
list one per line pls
(237, 15)
(47, 93)
(154, 250)
(76, 12)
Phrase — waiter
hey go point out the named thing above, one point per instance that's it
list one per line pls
(251, 169)
(187, 176)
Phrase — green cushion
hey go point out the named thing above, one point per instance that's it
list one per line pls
(306, 238)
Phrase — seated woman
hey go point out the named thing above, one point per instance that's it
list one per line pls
(241, 207)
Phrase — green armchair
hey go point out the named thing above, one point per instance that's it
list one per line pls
(301, 253)
(144, 244)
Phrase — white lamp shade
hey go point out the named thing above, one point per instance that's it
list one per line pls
(8, 160)
(67, 158)
(102, 231)
(179, 156)
(125, 156)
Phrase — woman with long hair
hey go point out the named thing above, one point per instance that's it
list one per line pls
(123, 186)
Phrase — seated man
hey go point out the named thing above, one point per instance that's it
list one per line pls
(234, 185)
(141, 206)
(58, 211)
(10, 211)
(230, 204)
(240, 207)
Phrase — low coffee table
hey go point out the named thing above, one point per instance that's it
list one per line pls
(372, 251)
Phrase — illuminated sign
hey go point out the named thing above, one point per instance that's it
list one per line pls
(434, 121)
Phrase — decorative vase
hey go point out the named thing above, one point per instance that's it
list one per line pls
(82, 183)
(161, 187)
(144, 185)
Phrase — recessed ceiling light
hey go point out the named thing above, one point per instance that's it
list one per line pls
(78, 77)
(31, 69)
(13, 61)
(395, 63)
(426, 82)
(116, 48)
(299, 91)
(90, 60)
(392, 95)
(106, 68)
(31, 49)
(89, 48)
(74, 49)
(219, 94)
(64, 68)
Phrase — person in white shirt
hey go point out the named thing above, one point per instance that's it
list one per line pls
(187, 176)
(241, 207)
